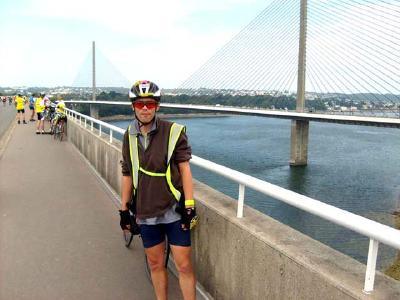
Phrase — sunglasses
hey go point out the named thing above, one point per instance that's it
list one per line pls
(142, 104)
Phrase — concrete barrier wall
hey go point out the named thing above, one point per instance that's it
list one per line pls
(254, 257)
(103, 156)
(7, 116)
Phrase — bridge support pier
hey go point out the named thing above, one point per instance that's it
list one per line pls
(299, 143)
(94, 111)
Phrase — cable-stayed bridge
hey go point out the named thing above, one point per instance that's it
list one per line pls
(107, 75)
(344, 51)
(351, 56)
(331, 276)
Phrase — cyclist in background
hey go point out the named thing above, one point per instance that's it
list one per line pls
(32, 107)
(157, 187)
(20, 105)
(39, 107)
(60, 113)
(46, 100)
(49, 110)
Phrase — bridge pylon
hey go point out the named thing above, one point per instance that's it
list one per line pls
(299, 143)
(94, 110)
(299, 131)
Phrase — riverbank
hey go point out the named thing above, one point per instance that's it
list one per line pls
(167, 116)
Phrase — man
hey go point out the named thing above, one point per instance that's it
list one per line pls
(20, 106)
(60, 113)
(32, 107)
(157, 187)
(39, 107)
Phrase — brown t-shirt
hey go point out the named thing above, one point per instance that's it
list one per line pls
(153, 197)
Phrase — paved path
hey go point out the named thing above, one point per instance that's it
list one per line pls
(59, 229)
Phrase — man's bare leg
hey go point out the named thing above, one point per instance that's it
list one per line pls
(155, 258)
(187, 279)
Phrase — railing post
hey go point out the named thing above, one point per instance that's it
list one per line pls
(85, 122)
(91, 125)
(99, 129)
(111, 136)
(240, 201)
(80, 120)
(371, 266)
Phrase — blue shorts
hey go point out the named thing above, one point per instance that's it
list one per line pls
(155, 234)
(40, 116)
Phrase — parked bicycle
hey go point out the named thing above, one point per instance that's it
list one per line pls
(59, 129)
(49, 114)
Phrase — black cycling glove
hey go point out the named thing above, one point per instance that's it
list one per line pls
(189, 218)
(128, 219)
(125, 219)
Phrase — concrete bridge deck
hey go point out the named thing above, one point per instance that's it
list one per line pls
(59, 229)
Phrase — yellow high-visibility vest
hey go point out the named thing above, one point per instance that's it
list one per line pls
(60, 108)
(20, 102)
(39, 105)
(174, 133)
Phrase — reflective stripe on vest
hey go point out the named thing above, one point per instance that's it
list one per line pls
(174, 134)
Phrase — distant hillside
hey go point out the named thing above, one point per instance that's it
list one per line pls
(262, 101)
(364, 97)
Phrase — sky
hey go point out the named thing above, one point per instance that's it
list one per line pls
(47, 43)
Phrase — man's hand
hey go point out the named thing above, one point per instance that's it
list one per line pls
(125, 221)
(189, 218)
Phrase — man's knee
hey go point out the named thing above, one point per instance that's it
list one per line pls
(156, 263)
(185, 267)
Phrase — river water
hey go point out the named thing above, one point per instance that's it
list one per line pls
(355, 168)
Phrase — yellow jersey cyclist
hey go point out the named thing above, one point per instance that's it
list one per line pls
(20, 106)
(60, 113)
(39, 108)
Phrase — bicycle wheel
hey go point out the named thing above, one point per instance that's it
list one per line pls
(61, 130)
(52, 127)
(147, 267)
(55, 131)
(167, 253)
(128, 237)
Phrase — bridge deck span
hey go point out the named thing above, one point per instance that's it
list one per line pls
(59, 233)
(316, 117)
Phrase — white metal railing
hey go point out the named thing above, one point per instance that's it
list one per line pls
(74, 115)
(376, 232)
